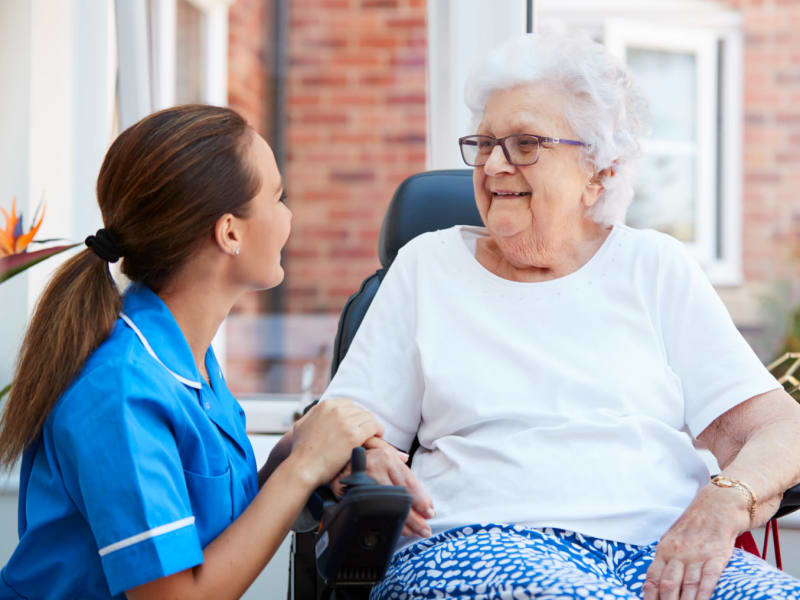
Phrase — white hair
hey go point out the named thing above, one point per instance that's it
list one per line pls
(602, 105)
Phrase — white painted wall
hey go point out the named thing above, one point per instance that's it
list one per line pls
(50, 128)
(92, 111)
(15, 75)
(57, 75)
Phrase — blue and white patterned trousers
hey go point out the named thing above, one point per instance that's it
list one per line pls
(508, 562)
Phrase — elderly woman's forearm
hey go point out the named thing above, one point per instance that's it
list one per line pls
(769, 462)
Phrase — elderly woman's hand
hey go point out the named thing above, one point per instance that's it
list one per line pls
(387, 465)
(692, 555)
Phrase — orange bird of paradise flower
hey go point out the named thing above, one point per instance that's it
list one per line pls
(12, 239)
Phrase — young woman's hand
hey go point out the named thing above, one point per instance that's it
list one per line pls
(387, 465)
(323, 440)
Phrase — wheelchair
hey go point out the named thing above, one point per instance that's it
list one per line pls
(426, 202)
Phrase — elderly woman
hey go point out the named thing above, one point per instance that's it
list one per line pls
(560, 369)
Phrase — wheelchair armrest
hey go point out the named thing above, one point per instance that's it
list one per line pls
(309, 518)
(305, 582)
(790, 502)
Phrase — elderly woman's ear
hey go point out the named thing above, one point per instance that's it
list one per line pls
(595, 185)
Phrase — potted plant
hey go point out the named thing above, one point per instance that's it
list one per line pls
(14, 244)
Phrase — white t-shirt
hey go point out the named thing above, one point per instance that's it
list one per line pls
(567, 403)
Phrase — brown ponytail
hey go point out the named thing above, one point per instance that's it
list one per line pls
(164, 183)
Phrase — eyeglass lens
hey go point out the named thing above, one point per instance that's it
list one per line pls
(519, 149)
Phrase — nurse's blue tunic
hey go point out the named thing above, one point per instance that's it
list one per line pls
(138, 467)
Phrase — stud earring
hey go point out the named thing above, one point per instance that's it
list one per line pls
(236, 252)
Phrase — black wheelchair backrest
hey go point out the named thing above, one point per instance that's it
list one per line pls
(424, 202)
(427, 202)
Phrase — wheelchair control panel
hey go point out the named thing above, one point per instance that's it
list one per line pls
(357, 535)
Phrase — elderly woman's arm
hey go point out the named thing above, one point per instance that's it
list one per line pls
(756, 442)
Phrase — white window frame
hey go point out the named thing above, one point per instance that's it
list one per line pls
(696, 26)
(621, 34)
(163, 25)
(162, 67)
(163, 52)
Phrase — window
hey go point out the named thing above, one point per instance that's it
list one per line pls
(676, 189)
(186, 62)
(338, 89)
(188, 51)
(687, 58)
(190, 47)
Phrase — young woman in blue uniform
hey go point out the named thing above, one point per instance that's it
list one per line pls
(137, 476)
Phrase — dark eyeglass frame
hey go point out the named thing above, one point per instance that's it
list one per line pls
(472, 140)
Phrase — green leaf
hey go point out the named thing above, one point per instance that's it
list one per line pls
(16, 263)
(5, 390)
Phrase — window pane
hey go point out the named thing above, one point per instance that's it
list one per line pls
(189, 54)
(269, 352)
(668, 81)
(664, 196)
(339, 92)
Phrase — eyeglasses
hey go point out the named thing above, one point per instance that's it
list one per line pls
(520, 149)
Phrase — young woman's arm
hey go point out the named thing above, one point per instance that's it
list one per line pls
(320, 445)
(280, 452)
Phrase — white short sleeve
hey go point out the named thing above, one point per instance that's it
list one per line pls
(716, 366)
(382, 371)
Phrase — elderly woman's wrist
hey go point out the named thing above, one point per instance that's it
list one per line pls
(734, 504)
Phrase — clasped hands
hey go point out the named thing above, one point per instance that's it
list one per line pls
(387, 465)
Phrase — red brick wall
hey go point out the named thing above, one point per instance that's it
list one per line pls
(771, 193)
(356, 128)
(249, 94)
(248, 69)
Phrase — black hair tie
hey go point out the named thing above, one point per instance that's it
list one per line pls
(105, 244)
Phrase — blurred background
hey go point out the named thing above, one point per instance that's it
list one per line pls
(355, 95)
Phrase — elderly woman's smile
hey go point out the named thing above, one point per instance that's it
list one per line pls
(508, 194)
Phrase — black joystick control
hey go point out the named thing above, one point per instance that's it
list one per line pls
(358, 471)
(358, 534)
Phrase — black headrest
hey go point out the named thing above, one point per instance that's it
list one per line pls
(427, 202)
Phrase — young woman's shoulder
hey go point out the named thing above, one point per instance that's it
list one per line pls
(118, 379)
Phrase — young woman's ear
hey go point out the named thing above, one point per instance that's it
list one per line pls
(228, 235)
